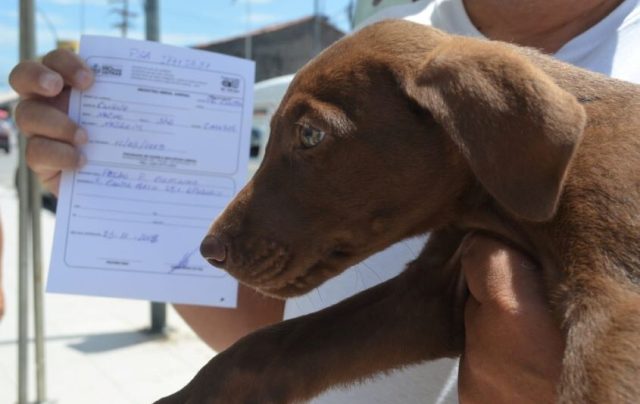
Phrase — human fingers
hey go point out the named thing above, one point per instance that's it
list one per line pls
(70, 66)
(47, 158)
(513, 346)
(507, 301)
(35, 117)
(50, 180)
(498, 274)
(30, 78)
(48, 155)
(47, 79)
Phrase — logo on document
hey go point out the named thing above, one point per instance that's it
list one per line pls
(230, 84)
(106, 70)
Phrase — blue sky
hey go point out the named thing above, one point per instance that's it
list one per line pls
(183, 22)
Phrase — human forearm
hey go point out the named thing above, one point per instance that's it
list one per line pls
(220, 327)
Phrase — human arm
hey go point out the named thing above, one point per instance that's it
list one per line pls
(220, 327)
(52, 140)
(41, 114)
(513, 347)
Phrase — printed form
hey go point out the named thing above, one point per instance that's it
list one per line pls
(169, 132)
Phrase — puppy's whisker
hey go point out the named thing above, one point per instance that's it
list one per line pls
(358, 280)
(320, 296)
(408, 246)
(370, 268)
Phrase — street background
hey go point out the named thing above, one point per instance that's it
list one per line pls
(185, 23)
(97, 348)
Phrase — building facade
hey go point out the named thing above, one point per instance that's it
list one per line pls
(280, 49)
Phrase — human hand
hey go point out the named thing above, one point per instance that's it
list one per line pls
(41, 114)
(513, 346)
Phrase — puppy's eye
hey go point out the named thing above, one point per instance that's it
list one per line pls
(309, 136)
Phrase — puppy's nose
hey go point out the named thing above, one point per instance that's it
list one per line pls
(213, 250)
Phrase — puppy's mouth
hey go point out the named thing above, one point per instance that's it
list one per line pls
(286, 280)
(301, 284)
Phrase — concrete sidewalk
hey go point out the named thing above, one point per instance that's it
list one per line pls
(96, 350)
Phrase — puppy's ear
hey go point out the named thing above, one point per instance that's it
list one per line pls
(515, 126)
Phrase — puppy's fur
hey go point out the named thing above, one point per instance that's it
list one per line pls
(427, 132)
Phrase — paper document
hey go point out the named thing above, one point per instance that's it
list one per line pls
(169, 132)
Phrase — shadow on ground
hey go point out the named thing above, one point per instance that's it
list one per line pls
(102, 342)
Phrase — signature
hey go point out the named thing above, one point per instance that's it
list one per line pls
(185, 262)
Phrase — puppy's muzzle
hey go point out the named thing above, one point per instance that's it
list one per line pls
(214, 251)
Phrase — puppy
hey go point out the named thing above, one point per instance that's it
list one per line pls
(399, 130)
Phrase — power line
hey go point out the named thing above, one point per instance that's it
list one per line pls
(124, 14)
(49, 24)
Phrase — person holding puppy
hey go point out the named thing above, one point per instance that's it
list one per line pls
(514, 347)
(488, 265)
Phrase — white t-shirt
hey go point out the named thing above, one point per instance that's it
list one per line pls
(609, 47)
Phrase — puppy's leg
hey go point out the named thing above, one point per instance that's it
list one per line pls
(408, 319)
(602, 356)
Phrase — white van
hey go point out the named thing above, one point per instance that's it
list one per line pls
(266, 98)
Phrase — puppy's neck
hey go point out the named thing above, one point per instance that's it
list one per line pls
(477, 211)
(543, 24)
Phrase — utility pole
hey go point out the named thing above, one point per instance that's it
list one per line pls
(82, 16)
(125, 16)
(248, 45)
(152, 20)
(317, 45)
(351, 9)
(27, 51)
(248, 41)
(152, 33)
(30, 253)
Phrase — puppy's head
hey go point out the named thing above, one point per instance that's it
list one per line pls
(371, 145)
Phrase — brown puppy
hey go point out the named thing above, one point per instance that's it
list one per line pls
(401, 129)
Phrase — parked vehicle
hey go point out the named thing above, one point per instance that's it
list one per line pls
(8, 145)
(266, 98)
(7, 133)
